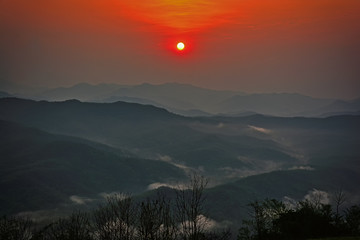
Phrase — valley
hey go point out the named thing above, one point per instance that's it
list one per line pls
(72, 153)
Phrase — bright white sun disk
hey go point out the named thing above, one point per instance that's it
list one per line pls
(180, 46)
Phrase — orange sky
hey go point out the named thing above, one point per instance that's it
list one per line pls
(306, 46)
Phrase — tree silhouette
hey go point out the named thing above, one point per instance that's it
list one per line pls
(261, 225)
(307, 221)
(15, 228)
(116, 219)
(270, 219)
(75, 227)
(352, 218)
(190, 208)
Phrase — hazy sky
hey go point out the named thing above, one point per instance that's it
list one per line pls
(306, 46)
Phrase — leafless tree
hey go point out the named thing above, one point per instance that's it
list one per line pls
(156, 219)
(14, 228)
(190, 208)
(149, 227)
(116, 219)
(339, 199)
(75, 227)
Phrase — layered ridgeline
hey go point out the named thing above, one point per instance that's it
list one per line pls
(53, 151)
(207, 144)
(194, 101)
(41, 170)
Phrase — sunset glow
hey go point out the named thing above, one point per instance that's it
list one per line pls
(180, 15)
(252, 45)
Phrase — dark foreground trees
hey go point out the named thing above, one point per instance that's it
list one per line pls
(271, 219)
(180, 216)
(15, 228)
(115, 220)
(76, 226)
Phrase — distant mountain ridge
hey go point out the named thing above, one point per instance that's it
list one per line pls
(189, 100)
(279, 104)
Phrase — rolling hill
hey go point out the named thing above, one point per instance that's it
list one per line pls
(150, 132)
(54, 150)
(40, 170)
(230, 201)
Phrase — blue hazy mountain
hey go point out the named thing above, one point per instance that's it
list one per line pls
(279, 104)
(189, 100)
(340, 107)
(172, 96)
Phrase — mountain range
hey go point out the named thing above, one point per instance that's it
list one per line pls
(189, 100)
(56, 153)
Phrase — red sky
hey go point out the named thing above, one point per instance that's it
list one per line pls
(306, 46)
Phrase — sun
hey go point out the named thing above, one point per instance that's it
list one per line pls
(180, 46)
